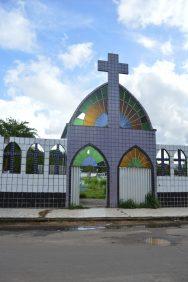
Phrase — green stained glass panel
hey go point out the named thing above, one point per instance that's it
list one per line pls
(78, 121)
(135, 163)
(88, 151)
(145, 126)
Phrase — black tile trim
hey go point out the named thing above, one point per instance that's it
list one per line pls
(32, 200)
(173, 199)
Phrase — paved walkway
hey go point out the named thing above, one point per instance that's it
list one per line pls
(93, 213)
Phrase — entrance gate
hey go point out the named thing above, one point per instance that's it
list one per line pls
(89, 178)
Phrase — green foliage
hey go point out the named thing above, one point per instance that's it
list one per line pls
(160, 170)
(30, 160)
(95, 188)
(11, 127)
(150, 202)
(129, 204)
(17, 158)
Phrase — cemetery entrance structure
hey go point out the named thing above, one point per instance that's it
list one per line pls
(112, 120)
(109, 137)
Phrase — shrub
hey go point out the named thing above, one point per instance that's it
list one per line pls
(95, 188)
(150, 202)
(129, 204)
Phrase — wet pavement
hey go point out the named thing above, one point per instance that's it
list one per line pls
(95, 253)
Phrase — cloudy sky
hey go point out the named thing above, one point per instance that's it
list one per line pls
(49, 52)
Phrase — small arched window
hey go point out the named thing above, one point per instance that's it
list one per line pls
(163, 163)
(35, 159)
(12, 158)
(57, 161)
(180, 163)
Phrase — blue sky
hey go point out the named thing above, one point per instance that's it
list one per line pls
(49, 52)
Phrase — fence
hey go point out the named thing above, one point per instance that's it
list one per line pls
(43, 185)
(172, 178)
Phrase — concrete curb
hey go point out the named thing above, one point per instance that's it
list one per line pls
(50, 219)
(76, 225)
(91, 219)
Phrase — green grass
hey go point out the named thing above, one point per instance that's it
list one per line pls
(93, 194)
(95, 188)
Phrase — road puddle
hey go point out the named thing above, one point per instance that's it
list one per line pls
(88, 228)
(158, 242)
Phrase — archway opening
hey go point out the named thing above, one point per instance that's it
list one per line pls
(163, 163)
(57, 160)
(135, 176)
(35, 159)
(12, 158)
(89, 179)
(180, 163)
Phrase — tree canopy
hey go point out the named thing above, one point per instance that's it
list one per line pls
(12, 127)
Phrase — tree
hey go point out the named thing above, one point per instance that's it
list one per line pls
(12, 127)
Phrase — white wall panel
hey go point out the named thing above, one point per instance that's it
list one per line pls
(75, 185)
(172, 184)
(134, 183)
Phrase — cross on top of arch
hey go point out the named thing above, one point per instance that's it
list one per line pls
(112, 65)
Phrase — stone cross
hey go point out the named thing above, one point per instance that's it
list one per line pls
(114, 68)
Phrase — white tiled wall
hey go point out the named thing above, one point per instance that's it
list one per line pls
(57, 183)
(32, 182)
(172, 183)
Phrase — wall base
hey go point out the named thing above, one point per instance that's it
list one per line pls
(32, 200)
(173, 199)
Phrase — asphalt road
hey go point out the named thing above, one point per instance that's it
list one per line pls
(129, 254)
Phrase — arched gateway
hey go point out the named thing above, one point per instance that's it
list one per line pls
(89, 178)
(113, 121)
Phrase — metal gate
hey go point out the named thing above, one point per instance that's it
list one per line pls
(75, 185)
(134, 183)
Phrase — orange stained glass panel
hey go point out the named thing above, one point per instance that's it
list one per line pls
(135, 158)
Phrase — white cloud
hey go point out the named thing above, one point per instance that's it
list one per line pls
(16, 31)
(40, 80)
(163, 93)
(77, 55)
(185, 66)
(39, 92)
(23, 108)
(146, 41)
(164, 47)
(185, 45)
(141, 13)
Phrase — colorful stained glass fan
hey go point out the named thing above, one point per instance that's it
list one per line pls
(93, 111)
(135, 158)
(132, 114)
